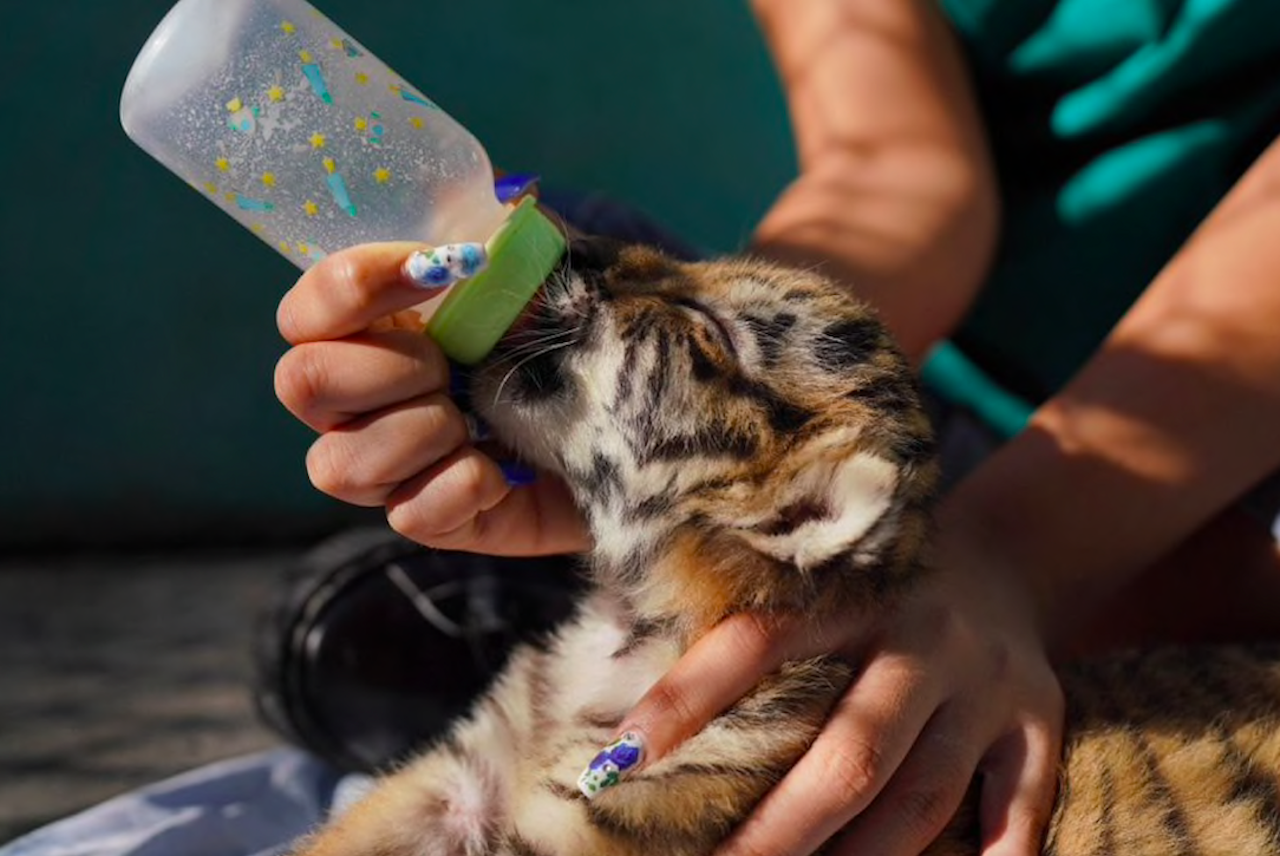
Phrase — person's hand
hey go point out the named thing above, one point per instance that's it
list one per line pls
(362, 373)
(953, 682)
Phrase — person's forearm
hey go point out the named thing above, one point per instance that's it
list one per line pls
(896, 193)
(1175, 417)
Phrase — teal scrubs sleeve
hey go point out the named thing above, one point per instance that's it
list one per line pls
(1116, 126)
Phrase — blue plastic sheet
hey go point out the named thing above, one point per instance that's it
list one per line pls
(251, 806)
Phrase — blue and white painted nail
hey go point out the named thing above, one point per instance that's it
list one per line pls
(444, 265)
(611, 764)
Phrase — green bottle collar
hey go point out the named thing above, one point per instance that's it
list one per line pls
(479, 311)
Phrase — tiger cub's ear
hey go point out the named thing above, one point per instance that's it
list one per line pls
(832, 523)
(837, 504)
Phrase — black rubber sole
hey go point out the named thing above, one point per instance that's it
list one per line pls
(376, 644)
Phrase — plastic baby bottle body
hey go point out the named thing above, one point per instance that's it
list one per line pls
(301, 134)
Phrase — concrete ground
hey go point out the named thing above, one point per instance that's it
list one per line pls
(116, 672)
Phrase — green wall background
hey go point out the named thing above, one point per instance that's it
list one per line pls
(137, 337)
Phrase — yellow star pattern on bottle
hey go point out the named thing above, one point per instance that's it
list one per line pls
(302, 249)
(231, 197)
(269, 179)
(306, 57)
(310, 208)
(222, 164)
(275, 93)
(235, 105)
(416, 121)
(335, 43)
(330, 166)
(362, 78)
(362, 124)
(211, 188)
(382, 175)
(317, 141)
(289, 27)
(284, 247)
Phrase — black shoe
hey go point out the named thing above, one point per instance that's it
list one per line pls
(376, 643)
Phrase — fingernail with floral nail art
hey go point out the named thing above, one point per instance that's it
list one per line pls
(444, 265)
(611, 764)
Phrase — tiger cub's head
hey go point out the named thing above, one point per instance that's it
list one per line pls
(738, 434)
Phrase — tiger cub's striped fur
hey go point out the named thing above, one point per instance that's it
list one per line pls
(741, 436)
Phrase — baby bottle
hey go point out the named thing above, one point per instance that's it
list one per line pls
(302, 135)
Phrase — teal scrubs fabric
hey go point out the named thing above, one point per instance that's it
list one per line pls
(1116, 126)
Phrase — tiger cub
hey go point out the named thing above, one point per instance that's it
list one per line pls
(743, 436)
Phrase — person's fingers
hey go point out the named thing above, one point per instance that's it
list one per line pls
(467, 502)
(869, 734)
(924, 793)
(718, 670)
(325, 384)
(348, 291)
(1019, 784)
(364, 460)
